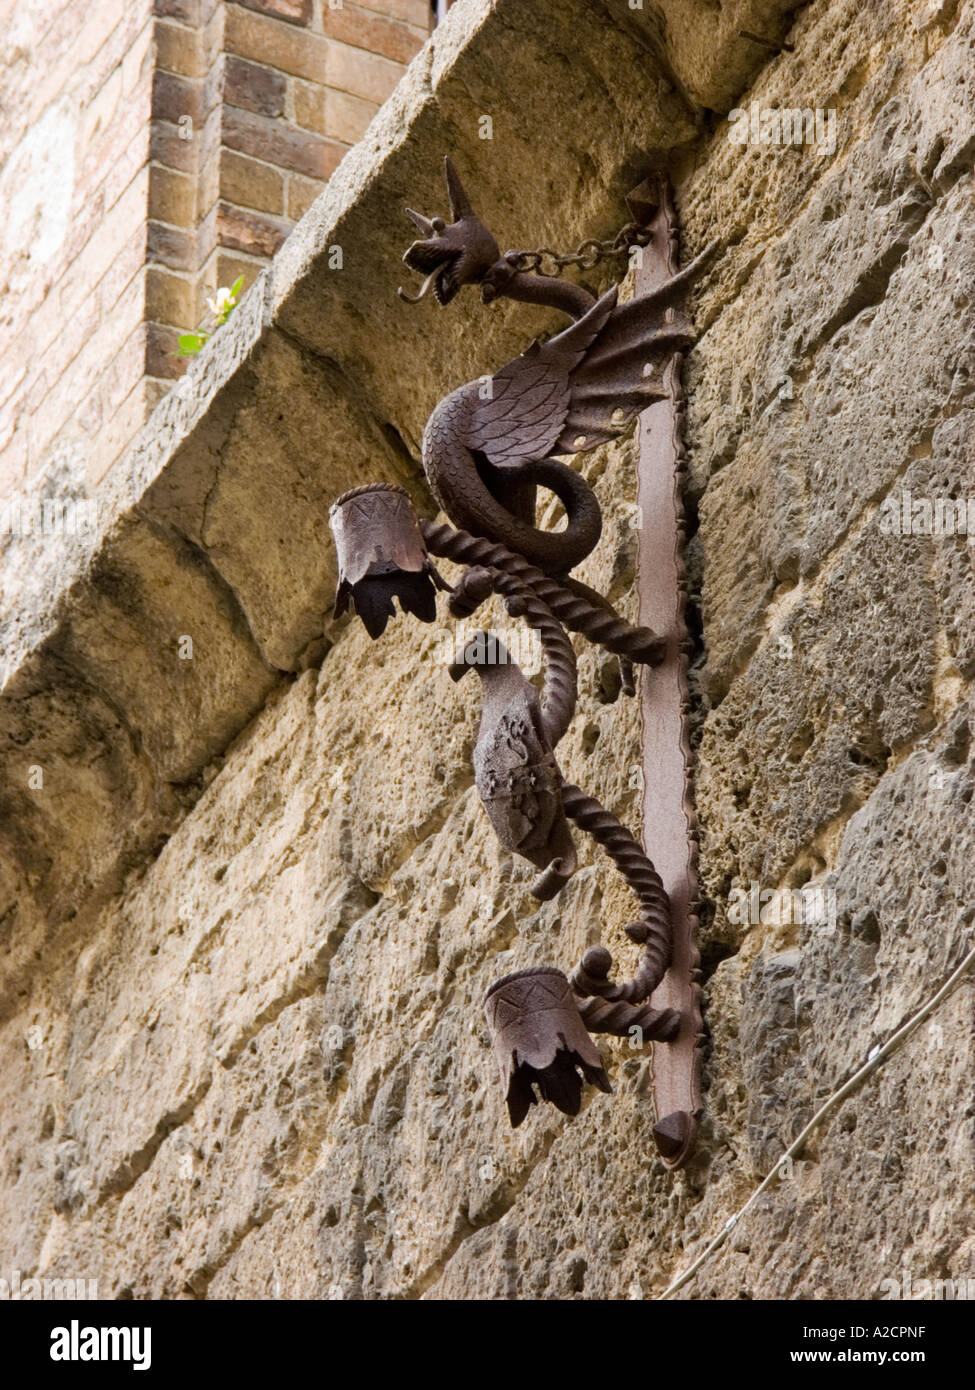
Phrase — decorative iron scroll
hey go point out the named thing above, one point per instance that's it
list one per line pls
(485, 454)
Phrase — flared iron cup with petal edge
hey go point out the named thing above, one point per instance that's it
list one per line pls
(541, 1041)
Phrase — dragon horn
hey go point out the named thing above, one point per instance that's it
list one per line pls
(460, 204)
(423, 224)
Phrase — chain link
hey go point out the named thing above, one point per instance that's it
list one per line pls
(587, 254)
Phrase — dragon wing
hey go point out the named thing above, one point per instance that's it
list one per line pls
(584, 385)
(625, 369)
(523, 414)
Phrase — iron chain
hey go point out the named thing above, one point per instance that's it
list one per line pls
(587, 254)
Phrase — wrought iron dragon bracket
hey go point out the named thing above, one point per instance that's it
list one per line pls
(485, 453)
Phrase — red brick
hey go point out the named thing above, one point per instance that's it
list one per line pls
(128, 214)
(292, 11)
(124, 372)
(170, 246)
(174, 97)
(166, 147)
(94, 70)
(124, 267)
(361, 29)
(253, 86)
(162, 352)
(122, 127)
(155, 390)
(186, 10)
(15, 374)
(362, 74)
(301, 194)
(72, 336)
(13, 421)
(258, 234)
(170, 298)
(178, 49)
(81, 57)
(128, 311)
(211, 34)
(138, 62)
(85, 224)
(125, 167)
(208, 185)
(117, 435)
(249, 183)
(308, 105)
(279, 144)
(74, 390)
(206, 238)
(416, 12)
(38, 390)
(295, 51)
(210, 138)
(98, 114)
(212, 97)
(346, 116)
(13, 463)
(172, 196)
(231, 265)
(259, 169)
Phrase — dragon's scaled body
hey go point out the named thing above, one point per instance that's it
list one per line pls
(487, 447)
(491, 442)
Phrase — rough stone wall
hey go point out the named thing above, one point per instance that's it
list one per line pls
(836, 691)
(243, 1049)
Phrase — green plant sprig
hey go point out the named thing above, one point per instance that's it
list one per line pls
(221, 307)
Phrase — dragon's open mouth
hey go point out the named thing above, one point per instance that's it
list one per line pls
(453, 254)
(439, 264)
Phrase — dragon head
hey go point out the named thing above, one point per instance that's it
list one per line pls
(450, 255)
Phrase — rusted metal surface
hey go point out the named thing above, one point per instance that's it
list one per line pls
(515, 770)
(485, 453)
(652, 930)
(541, 1040)
(487, 446)
(617, 1017)
(381, 554)
(559, 687)
(599, 622)
(451, 255)
(667, 793)
(514, 763)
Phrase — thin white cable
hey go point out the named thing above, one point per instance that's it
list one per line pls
(875, 1059)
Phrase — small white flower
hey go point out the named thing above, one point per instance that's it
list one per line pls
(223, 301)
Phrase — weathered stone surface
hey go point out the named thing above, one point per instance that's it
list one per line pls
(241, 1025)
(294, 401)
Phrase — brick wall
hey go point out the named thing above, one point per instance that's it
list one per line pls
(75, 83)
(151, 152)
(253, 106)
